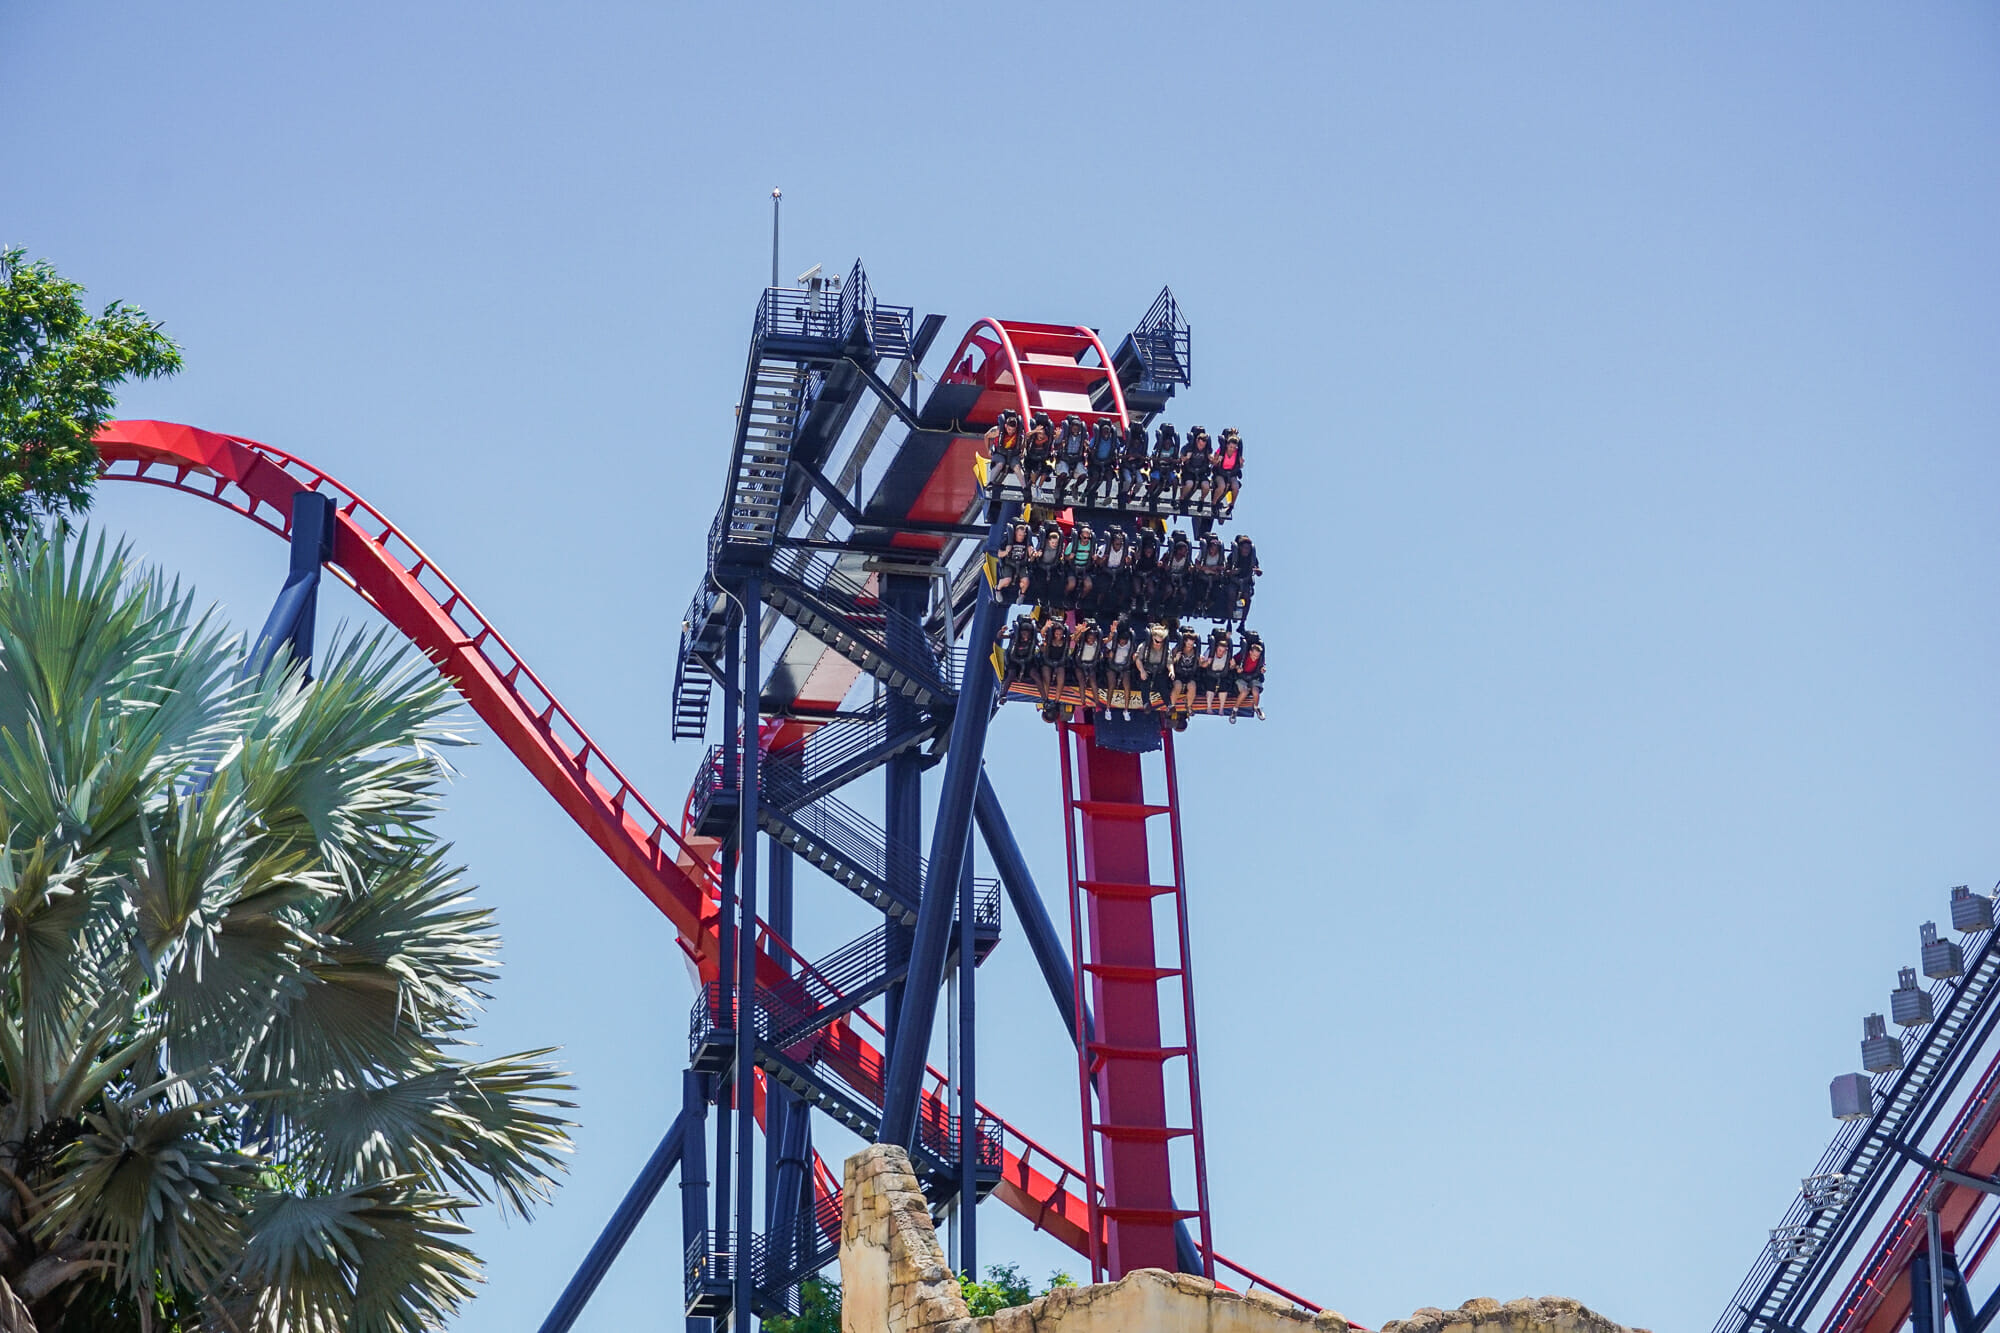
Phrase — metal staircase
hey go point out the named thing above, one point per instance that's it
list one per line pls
(833, 1071)
(831, 757)
(1155, 358)
(766, 423)
(808, 354)
(859, 971)
(846, 616)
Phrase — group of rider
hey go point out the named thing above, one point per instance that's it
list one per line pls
(1083, 464)
(1122, 667)
(1146, 574)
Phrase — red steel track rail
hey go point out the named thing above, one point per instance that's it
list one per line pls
(392, 574)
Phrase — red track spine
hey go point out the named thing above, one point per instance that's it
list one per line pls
(1122, 1063)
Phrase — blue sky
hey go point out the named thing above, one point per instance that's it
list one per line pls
(1619, 390)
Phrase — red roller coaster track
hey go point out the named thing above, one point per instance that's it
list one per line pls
(394, 576)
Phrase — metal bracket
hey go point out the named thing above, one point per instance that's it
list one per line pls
(883, 392)
(1983, 1184)
(841, 504)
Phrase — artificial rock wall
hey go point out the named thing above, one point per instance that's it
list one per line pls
(894, 1279)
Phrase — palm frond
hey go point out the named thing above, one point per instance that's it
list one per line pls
(59, 934)
(414, 916)
(351, 762)
(226, 928)
(107, 676)
(152, 1188)
(492, 1127)
(376, 1258)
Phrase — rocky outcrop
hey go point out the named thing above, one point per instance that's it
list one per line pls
(1546, 1314)
(894, 1279)
(893, 1274)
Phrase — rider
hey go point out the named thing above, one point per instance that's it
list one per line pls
(1178, 567)
(1196, 456)
(1120, 655)
(1211, 578)
(1243, 572)
(1004, 447)
(1080, 557)
(1164, 464)
(1052, 674)
(1072, 455)
(1216, 661)
(1132, 464)
(1152, 659)
(1184, 667)
(1022, 640)
(1105, 448)
(1048, 562)
(1113, 567)
(1015, 561)
(1227, 476)
(1041, 443)
(1145, 594)
(1086, 656)
(1249, 675)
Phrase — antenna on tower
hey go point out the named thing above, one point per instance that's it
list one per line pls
(776, 195)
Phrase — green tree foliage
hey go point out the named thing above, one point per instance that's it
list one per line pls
(1004, 1287)
(59, 369)
(238, 976)
(819, 1310)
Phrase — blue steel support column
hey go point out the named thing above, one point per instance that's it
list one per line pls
(786, 1208)
(746, 964)
(780, 1105)
(694, 1174)
(903, 1085)
(903, 776)
(290, 623)
(732, 725)
(968, 1112)
(617, 1231)
(1029, 910)
(1957, 1299)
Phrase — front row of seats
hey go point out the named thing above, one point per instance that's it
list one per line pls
(1124, 668)
(1101, 465)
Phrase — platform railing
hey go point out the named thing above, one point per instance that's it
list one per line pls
(937, 1132)
(1164, 343)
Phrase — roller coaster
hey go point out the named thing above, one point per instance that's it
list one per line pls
(867, 568)
(846, 615)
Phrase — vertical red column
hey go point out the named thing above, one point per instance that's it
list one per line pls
(1124, 1064)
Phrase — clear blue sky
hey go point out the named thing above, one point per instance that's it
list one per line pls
(1620, 389)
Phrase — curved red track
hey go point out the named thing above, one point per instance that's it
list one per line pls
(1036, 368)
(394, 576)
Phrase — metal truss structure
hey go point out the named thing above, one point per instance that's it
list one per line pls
(1899, 1211)
(839, 567)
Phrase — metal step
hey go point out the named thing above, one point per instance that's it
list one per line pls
(692, 686)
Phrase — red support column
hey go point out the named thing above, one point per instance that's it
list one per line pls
(1123, 1067)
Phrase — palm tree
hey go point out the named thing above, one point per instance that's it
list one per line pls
(238, 975)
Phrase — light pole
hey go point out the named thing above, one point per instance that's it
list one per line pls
(776, 195)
